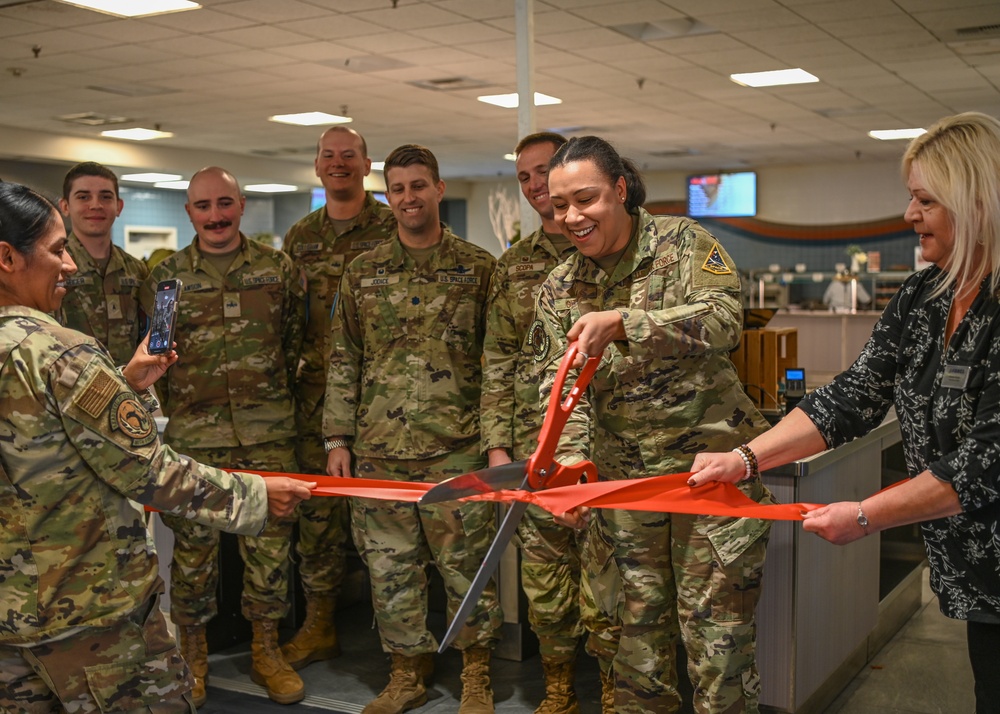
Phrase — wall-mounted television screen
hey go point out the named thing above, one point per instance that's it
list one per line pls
(722, 195)
(317, 198)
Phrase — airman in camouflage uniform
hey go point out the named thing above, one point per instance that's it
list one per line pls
(511, 422)
(229, 398)
(403, 391)
(79, 454)
(102, 298)
(664, 392)
(323, 244)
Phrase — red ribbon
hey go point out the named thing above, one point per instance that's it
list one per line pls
(666, 494)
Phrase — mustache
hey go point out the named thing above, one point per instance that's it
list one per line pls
(218, 224)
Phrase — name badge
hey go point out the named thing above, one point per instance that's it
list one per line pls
(955, 376)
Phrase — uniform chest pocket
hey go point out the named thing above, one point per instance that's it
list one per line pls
(459, 318)
(382, 325)
(659, 288)
(262, 302)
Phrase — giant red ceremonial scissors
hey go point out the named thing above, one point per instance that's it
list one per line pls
(540, 471)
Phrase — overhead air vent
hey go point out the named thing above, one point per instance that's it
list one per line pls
(93, 119)
(979, 31)
(450, 84)
(286, 151)
(663, 29)
(367, 63)
(131, 90)
(673, 153)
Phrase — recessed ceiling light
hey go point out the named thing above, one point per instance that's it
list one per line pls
(150, 177)
(271, 188)
(510, 157)
(310, 119)
(137, 134)
(510, 101)
(176, 185)
(774, 78)
(134, 8)
(378, 166)
(892, 134)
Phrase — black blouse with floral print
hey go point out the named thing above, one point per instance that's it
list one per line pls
(947, 399)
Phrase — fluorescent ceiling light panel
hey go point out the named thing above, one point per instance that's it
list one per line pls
(271, 188)
(774, 78)
(176, 185)
(136, 134)
(510, 157)
(378, 166)
(892, 134)
(310, 119)
(510, 101)
(134, 8)
(150, 177)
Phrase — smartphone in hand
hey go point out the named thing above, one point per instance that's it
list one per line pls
(161, 331)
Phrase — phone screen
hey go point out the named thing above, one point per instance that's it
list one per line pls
(161, 331)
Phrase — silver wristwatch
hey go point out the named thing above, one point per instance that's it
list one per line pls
(331, 444)
(862, 519)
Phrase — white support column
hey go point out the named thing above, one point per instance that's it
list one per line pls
(524, 23)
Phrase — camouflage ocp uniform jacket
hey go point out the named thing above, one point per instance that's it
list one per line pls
(406, 347)
(669, 389)
(76, 444)
(511, 417)
(315, 247)
(106, 307)
(238, 340)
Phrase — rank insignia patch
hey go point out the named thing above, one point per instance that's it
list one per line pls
(130, 418)
(714, 263)
(539, 340)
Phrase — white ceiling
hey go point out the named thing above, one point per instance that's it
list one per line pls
(214, 75)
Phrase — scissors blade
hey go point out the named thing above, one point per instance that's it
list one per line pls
(495, 478)
(486, 570)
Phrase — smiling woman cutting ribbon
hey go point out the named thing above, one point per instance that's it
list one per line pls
(659, 299)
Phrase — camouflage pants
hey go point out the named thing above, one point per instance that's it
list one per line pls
(131, 667)
(398, 540)
(550, 577)
(323, 522)
(194, 570)
(676, 576)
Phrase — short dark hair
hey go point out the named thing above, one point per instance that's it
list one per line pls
(25, 216)
(540, 137)
(409, 154)
(88, 168)
(344, 130)
(608, 162)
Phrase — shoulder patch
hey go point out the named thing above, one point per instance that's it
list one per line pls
(539, 341)
(128, 416)
(94, 397)
(714, 263)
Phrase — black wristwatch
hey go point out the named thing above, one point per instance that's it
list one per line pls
(862, 519)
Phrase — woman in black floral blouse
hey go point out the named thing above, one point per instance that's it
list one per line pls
(935, 356)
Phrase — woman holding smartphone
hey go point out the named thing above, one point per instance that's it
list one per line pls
(78, 451)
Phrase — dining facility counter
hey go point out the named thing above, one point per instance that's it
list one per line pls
(824, 613)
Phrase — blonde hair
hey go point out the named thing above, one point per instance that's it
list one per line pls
(959, 160)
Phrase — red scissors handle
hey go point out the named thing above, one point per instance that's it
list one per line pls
(543, 470)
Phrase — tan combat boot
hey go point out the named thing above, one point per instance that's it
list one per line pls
(270, 670)
(560, 696)
(194, 649)
(406, 688)
(316, 640)
(607, 691)
(477, 694)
